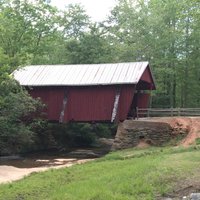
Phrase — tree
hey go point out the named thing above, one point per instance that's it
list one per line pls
(19, 116)
(25, 28)
(74, 22)
(164, 33)
(91, 47)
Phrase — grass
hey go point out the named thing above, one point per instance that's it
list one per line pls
(123, 175)
(198, 141)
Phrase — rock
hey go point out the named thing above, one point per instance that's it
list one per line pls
(195, 196)
(83, 153)
(131, 132)
(13, 157)
(105, 142)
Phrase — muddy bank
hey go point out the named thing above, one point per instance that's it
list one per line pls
(16, 167)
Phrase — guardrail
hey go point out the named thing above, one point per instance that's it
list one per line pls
(166, 112)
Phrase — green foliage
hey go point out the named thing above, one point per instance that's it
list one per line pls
(198, 141)
(148, 176)
(18, 117)
(27, 31)
(70, 135)
(91, 47)
(75, 21)
(164, 33)
(105, 130)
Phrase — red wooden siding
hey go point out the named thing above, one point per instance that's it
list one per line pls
(52, 98)
(90, 103)
(85, 103)
(143, 100)
(146, 80)
(89, 91)
(126, 98)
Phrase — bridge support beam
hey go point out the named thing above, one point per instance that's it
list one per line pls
(116, 105)
(62, 113)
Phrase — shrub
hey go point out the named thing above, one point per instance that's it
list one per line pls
(63, 136)
(19, 115)
(70, 135)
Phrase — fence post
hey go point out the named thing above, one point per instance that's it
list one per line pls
(137, 115)
(171, 112)
(179, 111)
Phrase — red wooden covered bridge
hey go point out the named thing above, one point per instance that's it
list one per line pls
(89, 92)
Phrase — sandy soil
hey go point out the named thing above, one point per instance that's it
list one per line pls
(143, 144)
(194, 132)
(15, 169)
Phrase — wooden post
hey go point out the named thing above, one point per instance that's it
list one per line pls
(151, 97)
(171, 112)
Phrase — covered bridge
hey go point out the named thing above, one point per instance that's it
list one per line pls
(89, 92)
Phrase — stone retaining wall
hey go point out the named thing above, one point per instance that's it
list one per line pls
(130, 133)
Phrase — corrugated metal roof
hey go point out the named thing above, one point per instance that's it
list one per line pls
(80, 75)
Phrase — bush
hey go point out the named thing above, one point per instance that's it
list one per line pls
(63, 136)
(105, 130)
(70, 135)
(19, 116)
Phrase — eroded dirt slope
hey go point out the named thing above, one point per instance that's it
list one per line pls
(183, 125)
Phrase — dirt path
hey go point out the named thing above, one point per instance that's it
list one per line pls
(12, 170)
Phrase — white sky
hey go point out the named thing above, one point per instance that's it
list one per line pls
(96, 9)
